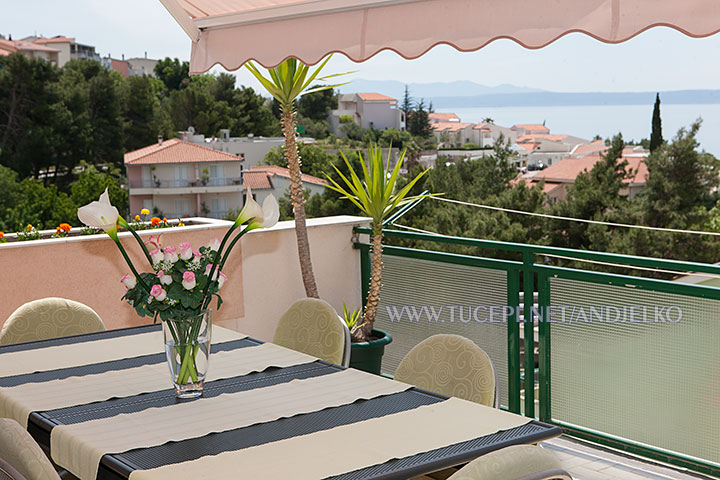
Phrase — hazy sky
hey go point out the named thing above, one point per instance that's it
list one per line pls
(660, 59)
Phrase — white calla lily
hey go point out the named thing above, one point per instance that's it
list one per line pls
(251, 209)
(100, 214)
(271, 212)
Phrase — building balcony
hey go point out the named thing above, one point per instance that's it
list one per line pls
(627, 362)
(176, 187)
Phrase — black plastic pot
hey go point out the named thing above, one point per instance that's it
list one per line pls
(367, 356)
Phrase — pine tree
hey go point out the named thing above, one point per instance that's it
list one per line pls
(656, 138)
(407, 102)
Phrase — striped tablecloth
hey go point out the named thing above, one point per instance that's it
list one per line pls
(104, 406)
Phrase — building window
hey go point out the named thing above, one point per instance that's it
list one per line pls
(217, 174)
(181, 176)
(182, 207)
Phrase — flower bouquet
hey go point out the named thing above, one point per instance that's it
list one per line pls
(181, 285)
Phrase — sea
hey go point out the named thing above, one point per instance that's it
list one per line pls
(633, 121)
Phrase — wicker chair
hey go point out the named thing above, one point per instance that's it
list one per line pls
(312, 326)
(24, 456)
(518, 462)
(49, 318)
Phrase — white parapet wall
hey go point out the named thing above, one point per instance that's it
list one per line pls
(264, 272)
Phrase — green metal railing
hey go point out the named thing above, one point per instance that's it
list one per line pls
(583, 370)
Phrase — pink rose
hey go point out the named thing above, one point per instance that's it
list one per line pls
(188, 280)
(157, 256)
(164, 279)
(215, 272)
(214, 244)
(158, 292)
(186, 252)
(221, 280)
(129, 281)
(171, 253)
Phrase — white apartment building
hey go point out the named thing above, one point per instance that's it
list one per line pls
(251, 148)
(368, 110)
(67, 48)
(267, 179)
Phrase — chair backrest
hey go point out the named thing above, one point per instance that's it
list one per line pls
(312, 326)
(49, 318)
(348, 342)
(517, 462)
(7, 472)
(451, 365)
(22, 453)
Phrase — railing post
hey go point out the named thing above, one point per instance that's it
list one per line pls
(529, 344)
(513, 335)
(544, 345)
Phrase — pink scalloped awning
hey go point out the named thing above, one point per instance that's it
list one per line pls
(231, 32)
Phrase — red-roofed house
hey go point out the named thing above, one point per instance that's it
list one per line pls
(181, 179)
(266, 179)
(557, 177)
(487, 133)
(369, 110)
(29, 50)
(596, 146)
(453, 134)
(525, 128)
(443, 117)
(66, 47)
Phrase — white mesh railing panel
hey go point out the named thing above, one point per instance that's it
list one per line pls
(463, 297)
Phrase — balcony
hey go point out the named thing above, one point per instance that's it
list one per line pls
(176, 187)
(631, 380)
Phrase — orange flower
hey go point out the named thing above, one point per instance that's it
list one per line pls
(2, 234)
(165, 220)
(65, 227)
(155, 221)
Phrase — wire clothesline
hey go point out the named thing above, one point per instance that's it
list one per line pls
(609, 264)
(557, 217)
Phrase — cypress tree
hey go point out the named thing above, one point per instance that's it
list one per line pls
(656, 138)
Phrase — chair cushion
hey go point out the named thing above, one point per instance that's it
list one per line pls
(312, 326)
(23, 454)
(49, 318)
(451, 365)
(512, 463)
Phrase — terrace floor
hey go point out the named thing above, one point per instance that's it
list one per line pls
(586, 461)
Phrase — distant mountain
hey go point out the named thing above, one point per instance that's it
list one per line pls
(464, 93)
(430, 91)
(545, 99)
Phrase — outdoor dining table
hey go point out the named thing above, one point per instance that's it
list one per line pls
(103, 406)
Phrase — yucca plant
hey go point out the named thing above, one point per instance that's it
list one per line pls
(286, 83)
(376, 197)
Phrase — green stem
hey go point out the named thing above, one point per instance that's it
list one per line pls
(206, 303)
(123, 223)
(217, 256)
(130, 264)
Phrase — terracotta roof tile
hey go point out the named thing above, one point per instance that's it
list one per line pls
(450, 126)
(256, 180)
(284, 172)
(376, 97)
(567, 170)
(443, 117)
(533, 137)
(177, 151)
(533, 127)
(596, 146)
(55, 40)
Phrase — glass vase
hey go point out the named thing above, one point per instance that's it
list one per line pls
(187, 347)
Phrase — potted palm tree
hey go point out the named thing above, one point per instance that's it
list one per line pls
(376, 196)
